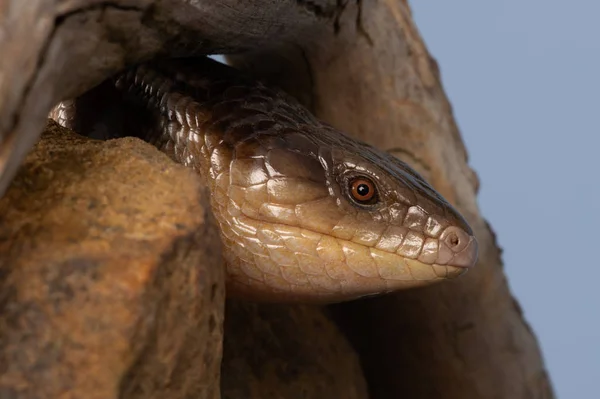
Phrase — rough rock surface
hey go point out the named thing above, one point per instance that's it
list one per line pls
(105, 284)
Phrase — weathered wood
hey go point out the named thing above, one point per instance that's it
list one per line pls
(287, 352)
(370, 74)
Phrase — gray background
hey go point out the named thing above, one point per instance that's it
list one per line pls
(522, 77)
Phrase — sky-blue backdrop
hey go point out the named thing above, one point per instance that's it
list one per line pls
(524, 80)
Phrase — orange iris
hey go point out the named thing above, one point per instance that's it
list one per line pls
(362, 190)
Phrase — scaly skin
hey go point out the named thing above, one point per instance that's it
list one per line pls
(280, 179)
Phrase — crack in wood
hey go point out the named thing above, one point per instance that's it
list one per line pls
(340, 7)
(360, 27)
(95, 7)
(317, 9)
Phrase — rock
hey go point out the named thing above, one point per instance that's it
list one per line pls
(107, 280)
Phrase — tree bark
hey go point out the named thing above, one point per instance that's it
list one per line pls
(361, 66)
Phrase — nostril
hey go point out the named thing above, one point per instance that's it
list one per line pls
(457, 248)
(453, 240)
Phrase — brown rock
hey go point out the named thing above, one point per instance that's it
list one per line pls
(105, 289)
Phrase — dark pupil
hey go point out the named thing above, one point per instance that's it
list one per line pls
(362, 190)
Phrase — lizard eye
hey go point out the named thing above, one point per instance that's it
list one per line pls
(363, 191)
